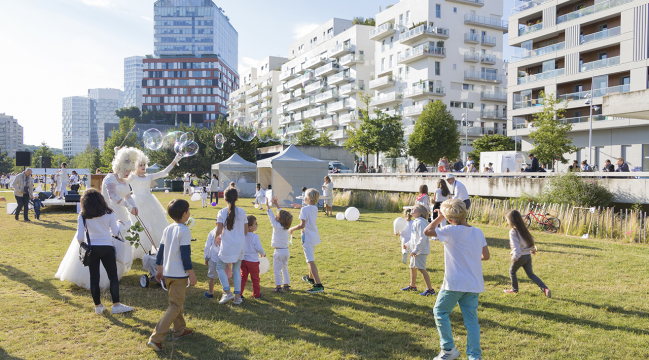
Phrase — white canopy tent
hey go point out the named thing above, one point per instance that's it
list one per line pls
(236, 169)
(288, 172)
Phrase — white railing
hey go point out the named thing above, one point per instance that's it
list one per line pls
(341, 47)
(338, 134)
(488, 21)
(326, 68)
(494, 114)
(525, 5)
(381, 81)
(582, 119)
(352, 57)
(331, 94)
(351, 87)
(595, 94)
(482, 75)
(285, 97)
(471, 37)
(601, 6)
(418, 89)
(413, 109)
(538, 52)
(600, 35)
(493, 95)
(285, 119)
(530, 29)
(299, 104)
(382, 98)
(348, 118)
(489, 40)
(327, 122)
(541, 76)
(528, 103)
(423, 29)
(318, 111)
(338, 105)
(488, 58)
(343, 75)
(294, 129)
(383, 28)
(598, 64)
(471, 56)
(422, 49)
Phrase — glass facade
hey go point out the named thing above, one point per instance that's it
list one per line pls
(133, 81)
(103, 103)
(195, 27)
(76, 124)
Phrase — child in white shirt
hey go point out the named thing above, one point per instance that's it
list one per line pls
(310, 238)
(405, 236)
(204, 197)
(260, 197)
(211, 256)
(280, 240)
(419, 249)
(250, 262)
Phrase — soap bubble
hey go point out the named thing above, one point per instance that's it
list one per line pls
(265, 130)
(188, 148)
(153, 139)
(308, 81)
(245, 129)
(189, 136)
(180, 140)
(219, 140)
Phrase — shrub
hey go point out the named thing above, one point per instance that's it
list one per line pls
(572, 190)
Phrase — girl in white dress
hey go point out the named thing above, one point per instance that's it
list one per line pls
(117, 194)
(151, 212)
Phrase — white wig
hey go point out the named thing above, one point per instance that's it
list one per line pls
(126, 159)
(141, 157)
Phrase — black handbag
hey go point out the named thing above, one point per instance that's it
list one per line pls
(84, 249)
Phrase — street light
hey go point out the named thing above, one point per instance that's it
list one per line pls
(590, 130)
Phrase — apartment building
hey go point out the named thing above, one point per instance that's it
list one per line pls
(255, 99)
(11, 135)
(450, 50)
(581, 51)
(133, 67)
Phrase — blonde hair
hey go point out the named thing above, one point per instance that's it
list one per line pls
(126, 159)
(422, 209)
(454, 209)
(313, 196)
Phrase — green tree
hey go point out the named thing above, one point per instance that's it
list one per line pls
(550, 139)
(358, 20)
(370, 22)
(361, 140)
(310, 136)
(90, 159)
(495, 142)
(388, 134)
(132, 112)
(42, 150)
(149, 115)
(116, 138)
(435, 135)
(7, 163)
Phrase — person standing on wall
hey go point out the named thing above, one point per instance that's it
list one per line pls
(23, 189)
(458, 190)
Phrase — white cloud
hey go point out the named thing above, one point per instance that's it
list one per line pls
(146, 18)
(246, 62)
(302, 29)
(100, 3)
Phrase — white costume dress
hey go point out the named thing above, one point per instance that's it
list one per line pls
(186, 184)
(64, 182)
(118, 197)
(150, 211)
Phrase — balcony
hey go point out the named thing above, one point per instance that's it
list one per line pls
(330, 68)
(285, 98)
(382, 32)
(596, 93)
(339, 78)
(239, 98)
(541, 76)
(488, 59)
(285, 75)
(420, 52)
(315, 112)
(423, 32)
(530, 29)
(266, 104)
(351, 59)
(267, 94)
(254, 90)
(239, 106)
(483, 76)
(528, 54)
(493, 96)
(469, 130)
(327, 96)
(413, 110)
(494, 114)
(300, 81)
(471, 38)
(282, 110)
(282, 88)
(478, 3)
(604, 5)
(267, 84)
(527, 5)
(351, 88)
(315, 62)
(600, 35)
(339, 134)
(488, 41)
(424, 89)
(314, 87)
(386, 99)
(341, 49)
(301, 104)
(285, 119)
(254, 99)
(489, 22)
(326, 123)
(382, 82)
(524, 104)
(585, 119)
(594, 65)
(471, 56)
(294, 129)
(349, 118)
(340, 105)
(408, 130)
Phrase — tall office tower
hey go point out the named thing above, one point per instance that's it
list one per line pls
(194, 27)
(11, 135)
(133, 81)
(102, 106)
(583, 53)
(76, 124)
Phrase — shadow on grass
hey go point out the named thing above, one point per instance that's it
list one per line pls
(498, 279)
(576, 246)
(613, 309)
(44, 287)
(5, 356)
(498, 243)
(54, 224)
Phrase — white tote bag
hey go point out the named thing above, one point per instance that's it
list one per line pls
(120, 250)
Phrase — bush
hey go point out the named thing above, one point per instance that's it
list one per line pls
(573, 190)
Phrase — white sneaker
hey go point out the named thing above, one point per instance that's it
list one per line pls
(226, 297)
(121, 308)
(100, 309)
(448, 355)
(238, 301)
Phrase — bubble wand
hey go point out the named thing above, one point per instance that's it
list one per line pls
(127, 134)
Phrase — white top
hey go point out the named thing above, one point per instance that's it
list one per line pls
(232, 241)
(303, 198)
(101, 230)
(260, 193)
(64, 175)
(405, 234)
(74, 179)
(281, 236)
(253, 247)
(419, 243)
(458, 191)
(518, 245)
(439, 197)
(424, 200)
(269, 195)
(186, 178)
(328, 188)
(462, 258)
(211, 252)
(310, 214)
(204, 195)
(214, 185)
(173, 237)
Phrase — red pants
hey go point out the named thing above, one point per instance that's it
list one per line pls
(252, 268)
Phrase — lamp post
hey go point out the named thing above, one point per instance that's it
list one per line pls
(590, 129)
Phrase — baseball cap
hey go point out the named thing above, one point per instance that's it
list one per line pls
(449, 176)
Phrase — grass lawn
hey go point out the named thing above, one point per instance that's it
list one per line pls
(599, 309)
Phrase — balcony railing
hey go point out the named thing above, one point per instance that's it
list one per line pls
(585, 119)
(471, 37)
(528, 103)
(285, 119)
(316, 86)
(527, 5)
(598, 64)
(328, 68)
(352, 87)
(267, 94)
(600, 35)
(286, 74)
(582, 95)
(408, 130)
(471, 56)
(350, 117)
(538, 52)
(381, 29)
(493, 95)
(386, 98)
(488, 21)
(483, 76)
(591, 10)
(327, 95)
(338, 105)
(344, 47)
(420, 89)
(413, 109)
(325, 123)
(493, 114)
(336, 78)
(318, 111)
(294, 129)
(300, 104)
(385, 80)
(530, 29)
(423, 29)
(338, 134)
(351, 57)
(423, 49)
(488, 40)
(488, 58)
(541, 76)
(286, 97)
(470, 2)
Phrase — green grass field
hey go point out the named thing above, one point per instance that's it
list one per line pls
(599, 309)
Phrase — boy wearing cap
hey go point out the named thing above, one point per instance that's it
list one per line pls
(458, 190)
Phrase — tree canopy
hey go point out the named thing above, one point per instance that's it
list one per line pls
(310, 136)
(495, 142)
(115, 139)
(6, 162)
(90, 160)
(550, 139)
(435, 135)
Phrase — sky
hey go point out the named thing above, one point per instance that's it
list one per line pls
(53, 49)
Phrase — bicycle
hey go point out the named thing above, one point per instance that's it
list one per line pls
(548, 224)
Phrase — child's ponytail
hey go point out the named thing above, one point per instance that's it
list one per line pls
(231, 196)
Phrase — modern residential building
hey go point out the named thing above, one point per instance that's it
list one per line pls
(133, 67)
(256, 98)
(11, 135)
(103, 104)
(448, 50)
(194, 27)
(579, 51)
(138, 130)
(195, 88)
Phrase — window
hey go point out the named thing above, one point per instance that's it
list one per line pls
(438, 10)
(463, 105)
(454, 67)
(467, 87)
(602, 27)
(407, 17)
(437, 68)
(601, 55)
(625, 80)
(390, 64)
(578, 88)
(455, 10)
(401, 19)
(407, 71)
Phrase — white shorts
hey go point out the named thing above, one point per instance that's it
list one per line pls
(328, 202)
(211, 270)
(418, 262)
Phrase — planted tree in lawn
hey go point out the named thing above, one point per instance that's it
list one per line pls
(435, 135)
(495, 142)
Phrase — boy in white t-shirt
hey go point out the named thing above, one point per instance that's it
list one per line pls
(310, 238)
(464, 248)
(260, 197)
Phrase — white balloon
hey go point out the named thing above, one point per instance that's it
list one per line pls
(166, 191)
(196, 197)
(340, 216)
(400, 224)
(264, 265)
(352, 214)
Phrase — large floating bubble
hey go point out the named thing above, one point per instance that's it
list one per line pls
(245, 129)
(189, 136)
(188, 148)
(180, 140)
(153, 139)
(219, 140)
(312, 84)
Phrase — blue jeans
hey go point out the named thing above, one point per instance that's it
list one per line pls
(446, 301)
(236, 276)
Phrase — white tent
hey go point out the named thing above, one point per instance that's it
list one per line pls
(289, 171)
(236, 169)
